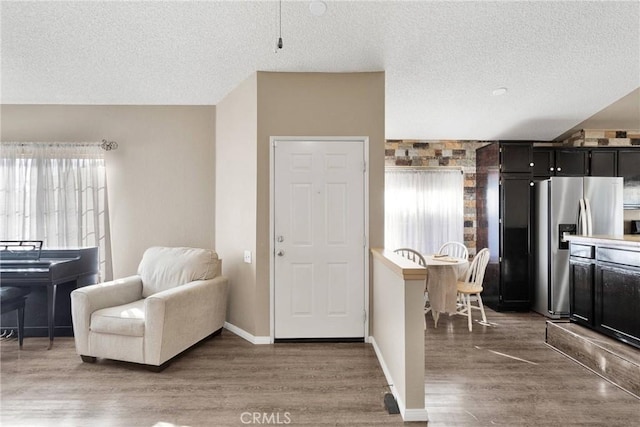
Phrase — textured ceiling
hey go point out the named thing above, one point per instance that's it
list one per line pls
(562, 62)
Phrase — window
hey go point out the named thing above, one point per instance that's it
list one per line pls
(56, 193)
(424, 208)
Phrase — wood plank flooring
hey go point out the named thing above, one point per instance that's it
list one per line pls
(616, 361)
(506, 375)
(499, 375)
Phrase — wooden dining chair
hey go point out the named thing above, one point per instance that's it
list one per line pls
(416, 257)
(454, 249)
(472, 287)
(413, 255)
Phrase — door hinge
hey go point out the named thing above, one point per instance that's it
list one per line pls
(364, 316)
(364, 241)
(364, 166)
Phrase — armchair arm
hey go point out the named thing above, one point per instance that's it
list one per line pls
(180, 317)
(88, 299)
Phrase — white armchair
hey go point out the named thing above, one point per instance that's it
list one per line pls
(178, 298)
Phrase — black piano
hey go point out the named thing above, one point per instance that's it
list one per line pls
(51, 275)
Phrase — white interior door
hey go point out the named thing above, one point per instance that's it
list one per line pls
(319, 239)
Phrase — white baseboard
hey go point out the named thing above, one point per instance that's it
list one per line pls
(414, 415)
(407, 414)
(383, 364)
(246, 335)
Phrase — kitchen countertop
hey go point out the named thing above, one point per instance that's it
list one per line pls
(632, 240)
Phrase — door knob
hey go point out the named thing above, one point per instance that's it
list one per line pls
(280, 252)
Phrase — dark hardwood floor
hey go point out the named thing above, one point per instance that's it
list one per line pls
(506, 375)
(499, 375)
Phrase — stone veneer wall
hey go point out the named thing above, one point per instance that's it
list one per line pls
(603, 138)
(443, 153)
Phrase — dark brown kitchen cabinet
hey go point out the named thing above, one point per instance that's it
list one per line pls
(582, 267)
(629, 162)
(581, 295)
(617, 298)
(516, 157)
(543, 162)
(572, 162)
(604, 288)
(515, 258)
(550, 162)
(503, 203)
(603, 162)
(629, 169)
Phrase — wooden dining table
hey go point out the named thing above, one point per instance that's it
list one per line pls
(443, 274)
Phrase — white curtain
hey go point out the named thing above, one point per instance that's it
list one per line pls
(424, 208)
(57, 193)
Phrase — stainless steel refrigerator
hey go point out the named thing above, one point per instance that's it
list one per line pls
(569, 205)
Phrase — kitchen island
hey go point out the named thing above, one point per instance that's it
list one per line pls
(604, 289)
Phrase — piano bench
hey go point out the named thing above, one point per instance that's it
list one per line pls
(13, 299)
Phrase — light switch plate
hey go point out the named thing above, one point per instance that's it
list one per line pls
(247, 257)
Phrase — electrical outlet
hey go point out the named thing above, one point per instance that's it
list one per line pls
(247, 257)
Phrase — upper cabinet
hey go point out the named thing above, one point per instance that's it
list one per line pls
(629, 163)
(516, 157)
(543, 162)
(548, 162)
(629, 169)
(572, 162)
(580, 161)
(603, 163)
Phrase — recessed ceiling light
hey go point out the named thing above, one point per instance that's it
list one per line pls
(317, 8)
(499, 91)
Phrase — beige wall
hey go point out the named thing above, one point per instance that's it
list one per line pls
(236, 129)
(160, 179)
(283, 104)
(317, 104)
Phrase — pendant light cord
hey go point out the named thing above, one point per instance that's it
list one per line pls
(280, 16)
(279, 45)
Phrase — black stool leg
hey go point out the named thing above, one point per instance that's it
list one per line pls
(20, 313)
(51, 312)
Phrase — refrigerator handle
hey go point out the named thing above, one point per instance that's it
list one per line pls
(589, 219)
(582, 219)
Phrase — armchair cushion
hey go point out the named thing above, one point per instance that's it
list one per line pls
(127, 319)
(164, 268)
